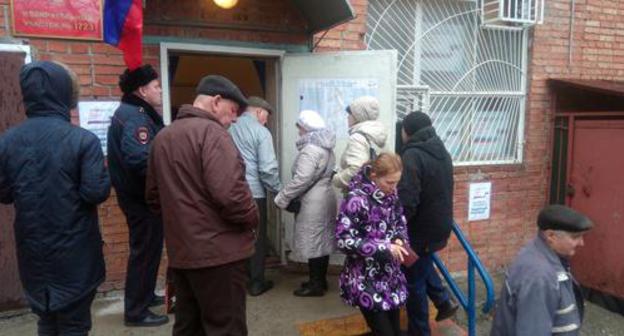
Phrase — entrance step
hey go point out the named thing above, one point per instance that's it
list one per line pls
(355, 325)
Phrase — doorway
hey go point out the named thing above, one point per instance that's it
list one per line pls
(255, 72)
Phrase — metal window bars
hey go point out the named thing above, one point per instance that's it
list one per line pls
(470, 79)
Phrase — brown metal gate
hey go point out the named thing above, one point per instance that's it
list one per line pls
(11, 113)
(596, 185)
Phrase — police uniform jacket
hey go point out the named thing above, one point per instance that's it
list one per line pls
(539, 297)
(133, 127)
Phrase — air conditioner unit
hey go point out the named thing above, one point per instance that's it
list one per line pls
(512, 13)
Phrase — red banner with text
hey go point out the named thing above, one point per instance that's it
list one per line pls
(63, 19)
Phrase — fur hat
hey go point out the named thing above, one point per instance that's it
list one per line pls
(129, 81)
(364, 108)
(310, 120)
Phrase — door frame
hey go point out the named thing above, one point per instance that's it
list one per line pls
(205, 49)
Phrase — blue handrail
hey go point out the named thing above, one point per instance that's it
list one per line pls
(469, 304)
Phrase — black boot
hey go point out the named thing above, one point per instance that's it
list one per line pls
(314, 287)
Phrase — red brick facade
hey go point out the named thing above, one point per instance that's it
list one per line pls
(519, 191)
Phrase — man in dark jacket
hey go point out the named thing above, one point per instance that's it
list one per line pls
(196, 179)
(426, 192)
(54, 173)
(132, 129)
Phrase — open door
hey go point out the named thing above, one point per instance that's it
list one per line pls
(327, 83)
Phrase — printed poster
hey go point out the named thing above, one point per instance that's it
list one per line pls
(479, 201)
(330, 98)
(95, 116)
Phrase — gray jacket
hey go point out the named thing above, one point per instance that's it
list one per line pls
(315, 224)
(538, 297)
(255, 144)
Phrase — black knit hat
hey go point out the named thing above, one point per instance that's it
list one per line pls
(559, 217)
(213, 85)
(129, 81)
(415, 121)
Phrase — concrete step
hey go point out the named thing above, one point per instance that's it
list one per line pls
(355, 325)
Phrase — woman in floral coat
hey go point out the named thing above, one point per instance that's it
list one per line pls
(371, 230)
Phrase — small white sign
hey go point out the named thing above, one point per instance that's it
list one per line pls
(479, 201)
(95, 116)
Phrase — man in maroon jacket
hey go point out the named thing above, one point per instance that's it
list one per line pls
(196, 180)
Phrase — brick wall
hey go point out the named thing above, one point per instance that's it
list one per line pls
(519, 191)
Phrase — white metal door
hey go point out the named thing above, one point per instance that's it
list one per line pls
(328, 82)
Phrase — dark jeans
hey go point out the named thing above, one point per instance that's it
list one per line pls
(419, 277)
(256, 262)
(383, 323)
(211, 301)
(146, 245)
(436, 291)
(73, 320)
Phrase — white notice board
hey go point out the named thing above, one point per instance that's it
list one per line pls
(95, 116)
(479, 201)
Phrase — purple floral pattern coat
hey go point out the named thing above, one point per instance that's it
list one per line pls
(368, 222)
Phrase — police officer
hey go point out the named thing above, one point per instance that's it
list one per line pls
(540, 296)
(133, 126)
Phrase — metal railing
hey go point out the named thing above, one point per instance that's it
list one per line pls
(469, 304)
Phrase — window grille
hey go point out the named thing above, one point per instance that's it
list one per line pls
(469, 78)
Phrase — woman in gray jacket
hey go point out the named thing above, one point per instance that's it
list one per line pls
(311, 185)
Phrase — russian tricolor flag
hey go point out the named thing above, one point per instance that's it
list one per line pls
(123, 28)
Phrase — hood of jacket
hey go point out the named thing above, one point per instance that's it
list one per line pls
(373, 130)
(427, 140)
(324, 138)
(46, 90)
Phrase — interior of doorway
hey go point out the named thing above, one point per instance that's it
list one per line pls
(255, 76)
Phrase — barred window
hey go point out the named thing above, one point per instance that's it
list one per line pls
(468, 77)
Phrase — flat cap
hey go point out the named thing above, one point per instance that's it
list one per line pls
(259, 102)
(213, 85)
(563, 218)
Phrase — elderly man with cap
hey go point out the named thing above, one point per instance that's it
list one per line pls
(54, 173)
(366, 136)
(255, 143)
(133, 127)
(540, 296)
(196, 179)
(426, 192)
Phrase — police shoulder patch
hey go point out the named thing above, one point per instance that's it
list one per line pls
(142, 135)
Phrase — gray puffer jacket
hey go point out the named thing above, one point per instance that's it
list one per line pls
(311, 181)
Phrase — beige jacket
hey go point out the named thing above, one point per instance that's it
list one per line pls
(362, 136)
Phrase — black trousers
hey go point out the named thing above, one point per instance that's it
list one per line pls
(383, 323)
(211, 301)
(73, 320)
(256, 262)
(146, 245)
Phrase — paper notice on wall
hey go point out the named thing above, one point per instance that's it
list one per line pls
(330, 98)
(479, 201)
(95, 116)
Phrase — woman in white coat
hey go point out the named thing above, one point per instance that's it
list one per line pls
(311, 185)
(366, 135)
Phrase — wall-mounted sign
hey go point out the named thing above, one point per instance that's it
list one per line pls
(76, 19)
(479, 201)
(95, 116)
